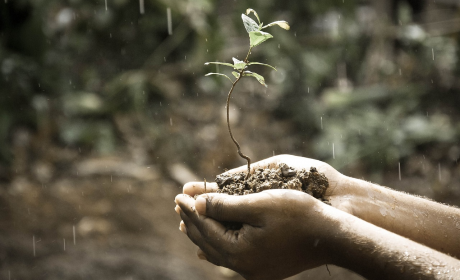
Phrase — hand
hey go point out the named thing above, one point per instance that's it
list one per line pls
(337, 193)
(283, 231)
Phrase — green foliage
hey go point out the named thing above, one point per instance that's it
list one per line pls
(219, 74)
(250, 24)
(66, 66)
(256, 37)
(259, 78)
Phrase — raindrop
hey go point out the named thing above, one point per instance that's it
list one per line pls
(70, 82)
(185, 57)
(316, 243)
(33, 243)
(278, 46)
(273, 152)
(295, 34)
(141, 7)
(439, 171)
(74, 239)
(9, 272)
(170, 121)
(432, 52)
(333, 151)
(64, 243)
(160, 104)
(399, 169)
(110, 35)
(321, 123)
(400, 73)
(106, 5)
(168, 13)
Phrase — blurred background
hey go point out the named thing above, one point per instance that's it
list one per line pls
(105, 113)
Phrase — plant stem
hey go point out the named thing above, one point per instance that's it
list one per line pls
(248, 159)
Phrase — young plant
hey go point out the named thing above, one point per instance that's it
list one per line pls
(256, 37)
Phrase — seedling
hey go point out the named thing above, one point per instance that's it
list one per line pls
(256, 37)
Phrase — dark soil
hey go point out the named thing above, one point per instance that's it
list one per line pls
(282, 177)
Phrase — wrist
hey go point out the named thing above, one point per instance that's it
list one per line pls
(344, 192)
(352, 244)
(326, 239)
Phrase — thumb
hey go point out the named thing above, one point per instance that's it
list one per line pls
(229, 208)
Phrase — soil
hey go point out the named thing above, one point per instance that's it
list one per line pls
(283, 177)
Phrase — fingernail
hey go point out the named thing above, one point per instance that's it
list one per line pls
(177, 209)
(200, 204)
(202, 257)
(194, 210)
(182, 227)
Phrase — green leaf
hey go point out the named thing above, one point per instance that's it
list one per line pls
(249, 24)
(248, 11)
(281, 23)
(255, 75)
(238, 64)
(236, 74)
(219, 74)
(258, 37)
(258, 63)
(221, 63)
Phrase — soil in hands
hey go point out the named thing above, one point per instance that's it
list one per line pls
(283, 177)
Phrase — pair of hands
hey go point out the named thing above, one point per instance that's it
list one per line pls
(284, 231)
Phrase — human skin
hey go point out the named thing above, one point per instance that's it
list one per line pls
(419, 219)
(337, 237)
(285, 232)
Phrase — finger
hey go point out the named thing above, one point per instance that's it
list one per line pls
(216, 260)
(182, 227)
(210, 228)
(197, 188)
(210, 246)
(231, 208)
(201, 255)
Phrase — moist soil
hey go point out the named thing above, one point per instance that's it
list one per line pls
(283, 177)
(311, 182)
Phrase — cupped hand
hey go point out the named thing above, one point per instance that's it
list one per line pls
(283, 231)
(337, 193)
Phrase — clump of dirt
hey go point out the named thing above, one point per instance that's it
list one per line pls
(283, 177)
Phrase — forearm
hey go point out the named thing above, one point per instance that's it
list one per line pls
(376, 253)
(419, 219)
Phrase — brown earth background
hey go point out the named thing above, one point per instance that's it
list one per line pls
(105, 113)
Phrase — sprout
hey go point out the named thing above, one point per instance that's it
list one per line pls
(256, 37)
